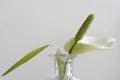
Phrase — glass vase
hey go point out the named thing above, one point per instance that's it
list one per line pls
(62, 67)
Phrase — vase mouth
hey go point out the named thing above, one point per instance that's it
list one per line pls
(63, 55)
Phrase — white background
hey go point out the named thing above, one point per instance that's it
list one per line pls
(28, 24)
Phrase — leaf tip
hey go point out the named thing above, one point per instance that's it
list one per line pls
(3, 74)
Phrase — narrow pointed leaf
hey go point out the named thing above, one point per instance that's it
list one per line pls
(25, 59)
(58, 52)
(60, 64)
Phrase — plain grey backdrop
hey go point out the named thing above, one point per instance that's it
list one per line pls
(28, 24)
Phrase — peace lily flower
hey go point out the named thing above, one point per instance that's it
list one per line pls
(89, 44)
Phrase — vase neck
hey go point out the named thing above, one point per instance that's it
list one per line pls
(67, 66)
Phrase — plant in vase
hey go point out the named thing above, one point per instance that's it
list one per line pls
(76, 45)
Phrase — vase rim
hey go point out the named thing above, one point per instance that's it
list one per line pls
(63, 55)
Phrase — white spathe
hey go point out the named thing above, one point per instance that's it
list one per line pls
(90, 43)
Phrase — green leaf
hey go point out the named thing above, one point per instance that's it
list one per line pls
(60, 64)
(58, 52)
(25, 59)
(60, 67)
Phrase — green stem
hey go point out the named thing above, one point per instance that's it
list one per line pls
(70, 51)
(66, 62)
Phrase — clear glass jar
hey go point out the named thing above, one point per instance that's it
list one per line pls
(62, 67)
